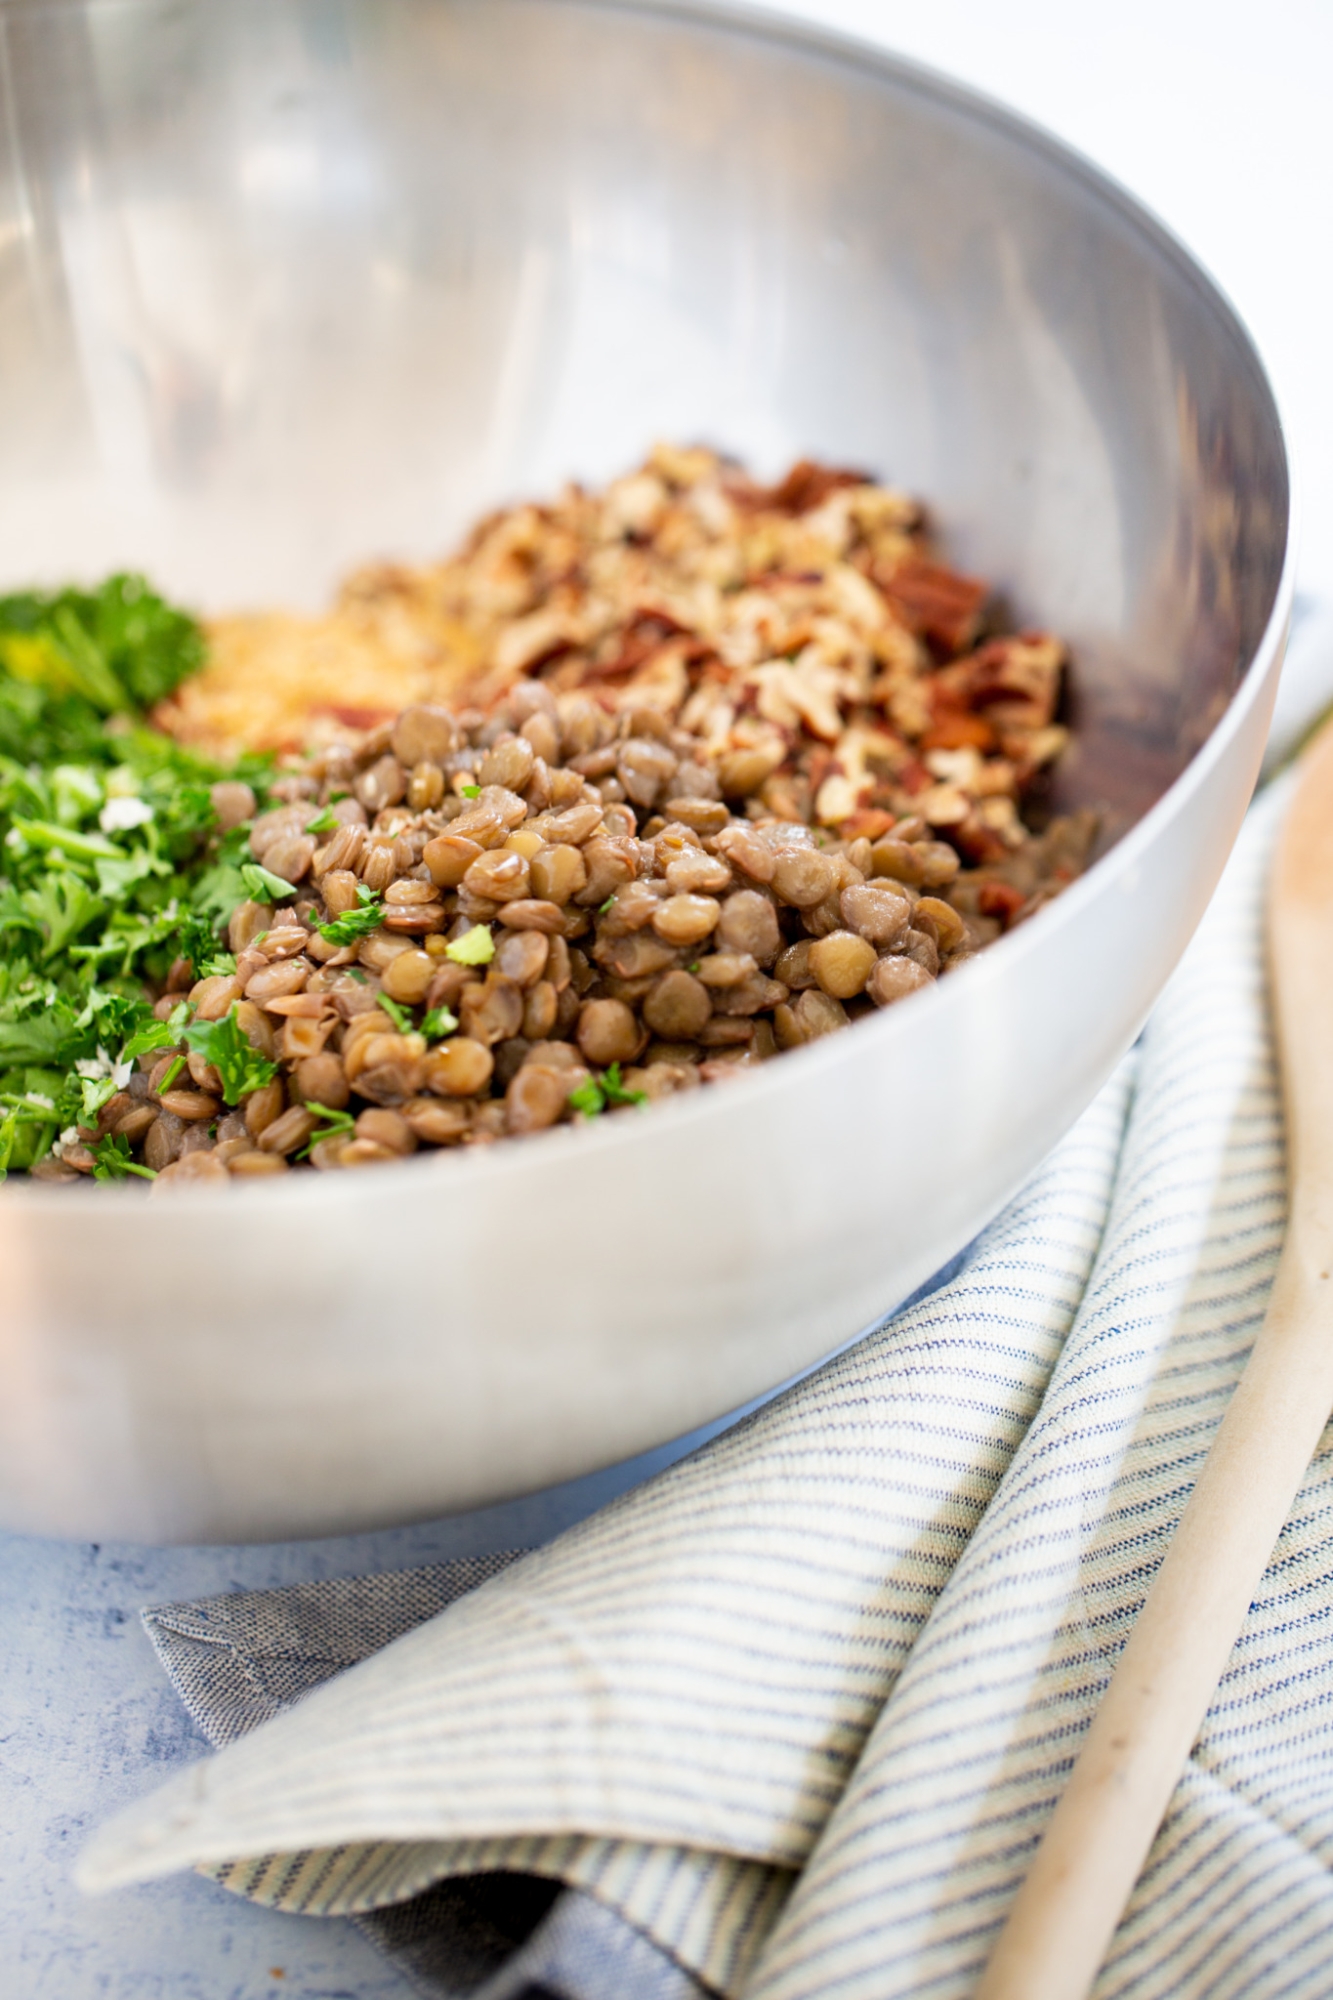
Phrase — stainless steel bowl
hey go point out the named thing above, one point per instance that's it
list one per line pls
(284, 283)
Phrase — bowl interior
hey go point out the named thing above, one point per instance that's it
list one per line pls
(285, 284)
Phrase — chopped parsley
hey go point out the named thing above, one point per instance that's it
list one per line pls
(334, 1125)
(475, 947)
(592, 1096)
(614, 1091)
(470, 791)
(357, 923)
(325, 821)
(112, 864)
(262, 886)
(171, 1075)
(224, 1045)
(401, 1018)
(9, 1135)
(602, 908)
(434, 1025)
(587, 1099)
(158, 1034)
(113, 1162)
(198, 941)
(95, 1092)
(116, 649)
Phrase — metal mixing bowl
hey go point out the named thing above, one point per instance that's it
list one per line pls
(287, 283)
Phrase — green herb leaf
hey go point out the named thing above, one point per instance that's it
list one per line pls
(614, 1091)
(62, 906)
(333, 1122)
(114, 1014)
(198, 941)
(80, 846)
(475, 947)
(150, 644)
(171, 1075)
(77, 792)
(118, 647)
(587, 1099)
(401, 1018)
(354, 924)
(262, 886)
(223, 1043)
(602, 908)
(95, 1092)
(157, 1035)
(8, 1134)
(26, 1132)
(593, 1095)
(114, 878)
(470, 791)
(91, 916)
(113, 1162)
(45, 1038)
(438, 1023)
(219, 890)
(325, 821)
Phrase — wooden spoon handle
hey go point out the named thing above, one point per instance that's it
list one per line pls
(1098, 1838)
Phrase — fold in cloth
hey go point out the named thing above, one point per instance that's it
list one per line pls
(661, 1707)
(782, 1714)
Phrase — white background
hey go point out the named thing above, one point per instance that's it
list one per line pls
(1217, 115)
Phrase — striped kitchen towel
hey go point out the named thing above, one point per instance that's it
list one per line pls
(660, 1708)
(789, 1719)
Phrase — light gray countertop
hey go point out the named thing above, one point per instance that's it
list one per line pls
(89, 1721)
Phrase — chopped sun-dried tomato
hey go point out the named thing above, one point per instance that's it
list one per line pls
(953, 730)
(1000, 899)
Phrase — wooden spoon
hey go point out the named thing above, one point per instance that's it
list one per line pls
(1065, 1914)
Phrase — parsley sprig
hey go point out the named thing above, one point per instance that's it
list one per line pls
(112, 1160)
(112, 864)
(592, 1096)
(158, 1034)
(357, 923)
(263, 886)
(198, 941)
(223, 1044)
(332, 1125)
(434, 1025)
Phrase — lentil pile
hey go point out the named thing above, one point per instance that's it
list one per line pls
(741, 766)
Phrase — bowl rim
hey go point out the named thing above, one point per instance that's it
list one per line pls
(763, 24)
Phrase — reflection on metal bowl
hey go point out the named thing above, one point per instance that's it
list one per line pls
(288, 284)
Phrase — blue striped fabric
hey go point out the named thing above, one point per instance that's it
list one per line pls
(663, 1706)
(796, 1711)
(917, 1865)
